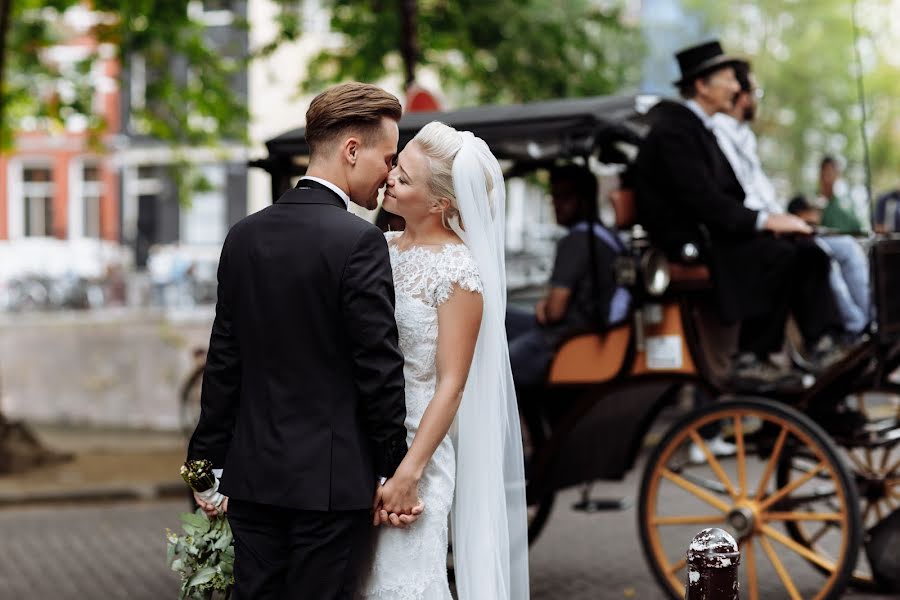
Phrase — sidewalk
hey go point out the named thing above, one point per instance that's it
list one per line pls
(106, 465)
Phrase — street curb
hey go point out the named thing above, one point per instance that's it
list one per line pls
(106, 493)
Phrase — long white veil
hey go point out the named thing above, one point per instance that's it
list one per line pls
(489, 515)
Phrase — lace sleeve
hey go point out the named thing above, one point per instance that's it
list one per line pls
(456, 268)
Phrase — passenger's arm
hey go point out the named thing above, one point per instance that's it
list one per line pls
(554, 305)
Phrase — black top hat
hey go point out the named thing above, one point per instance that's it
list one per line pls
(700, 60)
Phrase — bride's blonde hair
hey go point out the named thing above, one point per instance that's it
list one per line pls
(440, 144)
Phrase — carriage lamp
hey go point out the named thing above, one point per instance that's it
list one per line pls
(690, 253)
(655, 272)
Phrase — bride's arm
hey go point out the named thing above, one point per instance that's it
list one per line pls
(459, 319)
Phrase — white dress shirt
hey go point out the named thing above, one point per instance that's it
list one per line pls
(331, 187)
(738, 143)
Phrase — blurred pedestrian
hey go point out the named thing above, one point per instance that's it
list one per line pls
(835, 214)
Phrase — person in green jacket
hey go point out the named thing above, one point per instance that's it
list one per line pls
(835, 215)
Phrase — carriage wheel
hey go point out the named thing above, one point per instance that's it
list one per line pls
(741, 495)
(876, 470)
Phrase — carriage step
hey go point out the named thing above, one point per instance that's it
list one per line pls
(592, 505)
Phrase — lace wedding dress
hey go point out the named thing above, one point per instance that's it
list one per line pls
(411, 563)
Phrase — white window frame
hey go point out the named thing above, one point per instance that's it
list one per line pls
(79, 190)
(133, 188)
(217, 174)
(137, 85)
(211, 18)
(18, 189)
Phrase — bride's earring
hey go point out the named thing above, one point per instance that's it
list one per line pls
(444, 219)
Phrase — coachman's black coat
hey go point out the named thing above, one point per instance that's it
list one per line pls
(302, 400)
(687, 192)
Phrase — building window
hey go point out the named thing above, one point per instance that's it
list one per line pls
(91, 193)
(205, 221)
(37, 188)
(212, 13)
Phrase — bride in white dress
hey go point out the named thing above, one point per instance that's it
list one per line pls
(465, 455)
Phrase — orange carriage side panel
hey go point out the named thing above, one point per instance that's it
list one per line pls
(591, 357)
(668, 341)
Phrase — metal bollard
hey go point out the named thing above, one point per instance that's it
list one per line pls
(713, 559)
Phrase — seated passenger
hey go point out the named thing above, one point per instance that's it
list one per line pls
(836, 215)
(571, 304)
(849, 275)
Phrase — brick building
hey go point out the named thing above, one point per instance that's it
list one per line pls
(61, 184)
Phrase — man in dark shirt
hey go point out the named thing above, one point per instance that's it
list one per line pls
(572, 303)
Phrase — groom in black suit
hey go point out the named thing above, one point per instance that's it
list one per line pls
(303, 402)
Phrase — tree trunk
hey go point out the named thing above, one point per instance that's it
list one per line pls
(409, 45)
(5, 10)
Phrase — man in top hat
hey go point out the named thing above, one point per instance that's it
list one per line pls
(761, 262)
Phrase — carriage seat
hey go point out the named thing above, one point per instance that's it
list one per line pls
(685, 276)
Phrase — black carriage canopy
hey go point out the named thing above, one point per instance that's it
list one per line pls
(528, 135)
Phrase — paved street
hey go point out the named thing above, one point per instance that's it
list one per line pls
(116, 551)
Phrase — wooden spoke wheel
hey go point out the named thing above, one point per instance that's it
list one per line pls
(874, 461)
(740, 494)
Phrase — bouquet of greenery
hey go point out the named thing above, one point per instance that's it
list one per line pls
(203, 556)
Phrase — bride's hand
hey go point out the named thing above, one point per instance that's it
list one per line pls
(397, 501)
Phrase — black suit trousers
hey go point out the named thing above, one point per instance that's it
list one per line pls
(290, 554)
(798, 285)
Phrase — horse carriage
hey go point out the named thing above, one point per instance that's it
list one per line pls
(814, 484)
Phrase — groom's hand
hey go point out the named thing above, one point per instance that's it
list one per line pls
(209, 508)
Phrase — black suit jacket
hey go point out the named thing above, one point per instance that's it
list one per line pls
(686, 191)
(302, 400)
(684, 181)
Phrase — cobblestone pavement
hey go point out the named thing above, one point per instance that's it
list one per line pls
(116, 551)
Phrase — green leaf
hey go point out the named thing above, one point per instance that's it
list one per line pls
(199, 523)
(170, 553)
(202, 576)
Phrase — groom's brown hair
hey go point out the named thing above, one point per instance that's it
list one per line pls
(354, 107)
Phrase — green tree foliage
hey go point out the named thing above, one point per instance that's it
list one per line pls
(498, 51)
(190, 84)
(804, 58)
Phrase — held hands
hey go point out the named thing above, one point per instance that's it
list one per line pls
(209, 508)
(397, 501)
(786, 224)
